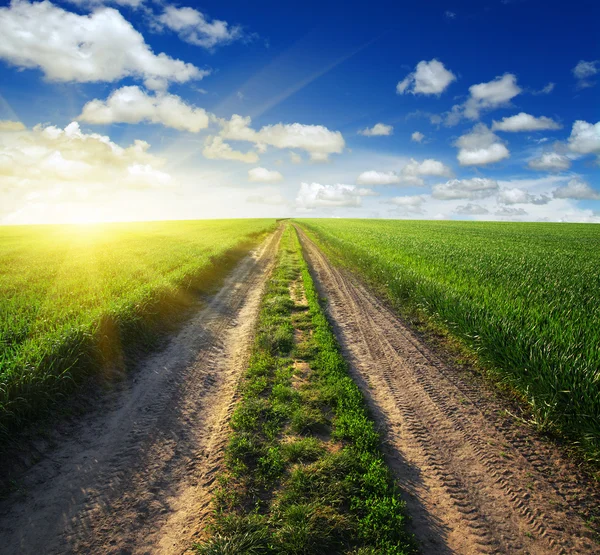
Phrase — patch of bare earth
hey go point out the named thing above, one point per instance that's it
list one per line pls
(137, 477)
(476, 481)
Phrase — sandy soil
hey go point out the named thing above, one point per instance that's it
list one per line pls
(136, 478)
(476, 481)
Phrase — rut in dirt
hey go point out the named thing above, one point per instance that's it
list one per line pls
(138, 477)
(475, 480)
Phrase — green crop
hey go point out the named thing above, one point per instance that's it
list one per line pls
(76, 300)
(524, 296)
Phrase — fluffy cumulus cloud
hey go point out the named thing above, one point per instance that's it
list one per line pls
(428, 78)
(585, 138)
(263, 175)
(410, 204)
(480, 147)
(217, 149)
(133, 105)
(377, 130)
(484, 97)
(550, 162)
(374, 177)
(519, 196)
(194, 27)
(96, 3)
(469, 189)
(471, 209)
(417, 137)
(101, 46)
(525, 122)
(314, 195)
(583, 71)
(411, 174)
(48, 159)
(317, 140)
(578, 190)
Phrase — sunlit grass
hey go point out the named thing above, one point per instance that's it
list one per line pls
(526, 297)
(75, 299)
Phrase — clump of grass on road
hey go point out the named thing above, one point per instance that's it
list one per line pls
(77, 300)
(304, 474)
(524, 296)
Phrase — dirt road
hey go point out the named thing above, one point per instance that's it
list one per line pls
(476, 481)
(137, 478)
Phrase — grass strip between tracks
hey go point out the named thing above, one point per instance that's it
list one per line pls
(304, 473)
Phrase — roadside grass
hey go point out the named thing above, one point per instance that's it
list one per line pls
(524, 299)
(304, 473)
(78, 301)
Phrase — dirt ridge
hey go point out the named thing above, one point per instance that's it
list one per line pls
(137, 478)
(477, 482)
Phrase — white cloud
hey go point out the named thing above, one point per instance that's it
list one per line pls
(96, 3)
(525, 122)
(550, 161)
(412, 204)
(509, 212)
(484, 97)
(519, 196)
(373, 177)
(192, 26)
(264, 175)
(578, 190)
(480, 147)
(295, 158)
(315, 195)
(471, 189)
(583, 71)
(417, 137)
(450, 15)
(377, 130)
(429, 166)
(585, 138)
(546, 89)
(132, 105)
(216, 149)
(471, 210)
(428, 78)
(317, 140)
(70, 162)
(410, 174)
(101, 46)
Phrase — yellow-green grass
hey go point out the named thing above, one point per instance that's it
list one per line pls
(525, 296)
(76, 300)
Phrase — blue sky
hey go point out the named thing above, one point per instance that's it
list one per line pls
(138, 109)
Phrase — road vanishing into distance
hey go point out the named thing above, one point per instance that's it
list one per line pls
(136, 474)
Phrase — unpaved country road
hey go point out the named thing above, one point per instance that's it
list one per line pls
(476, 481)
(137, 479)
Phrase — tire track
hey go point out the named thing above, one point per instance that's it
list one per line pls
(475, 484)
(137, 478)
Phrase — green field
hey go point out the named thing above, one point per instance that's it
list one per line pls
(525, 296)
(80, 299)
